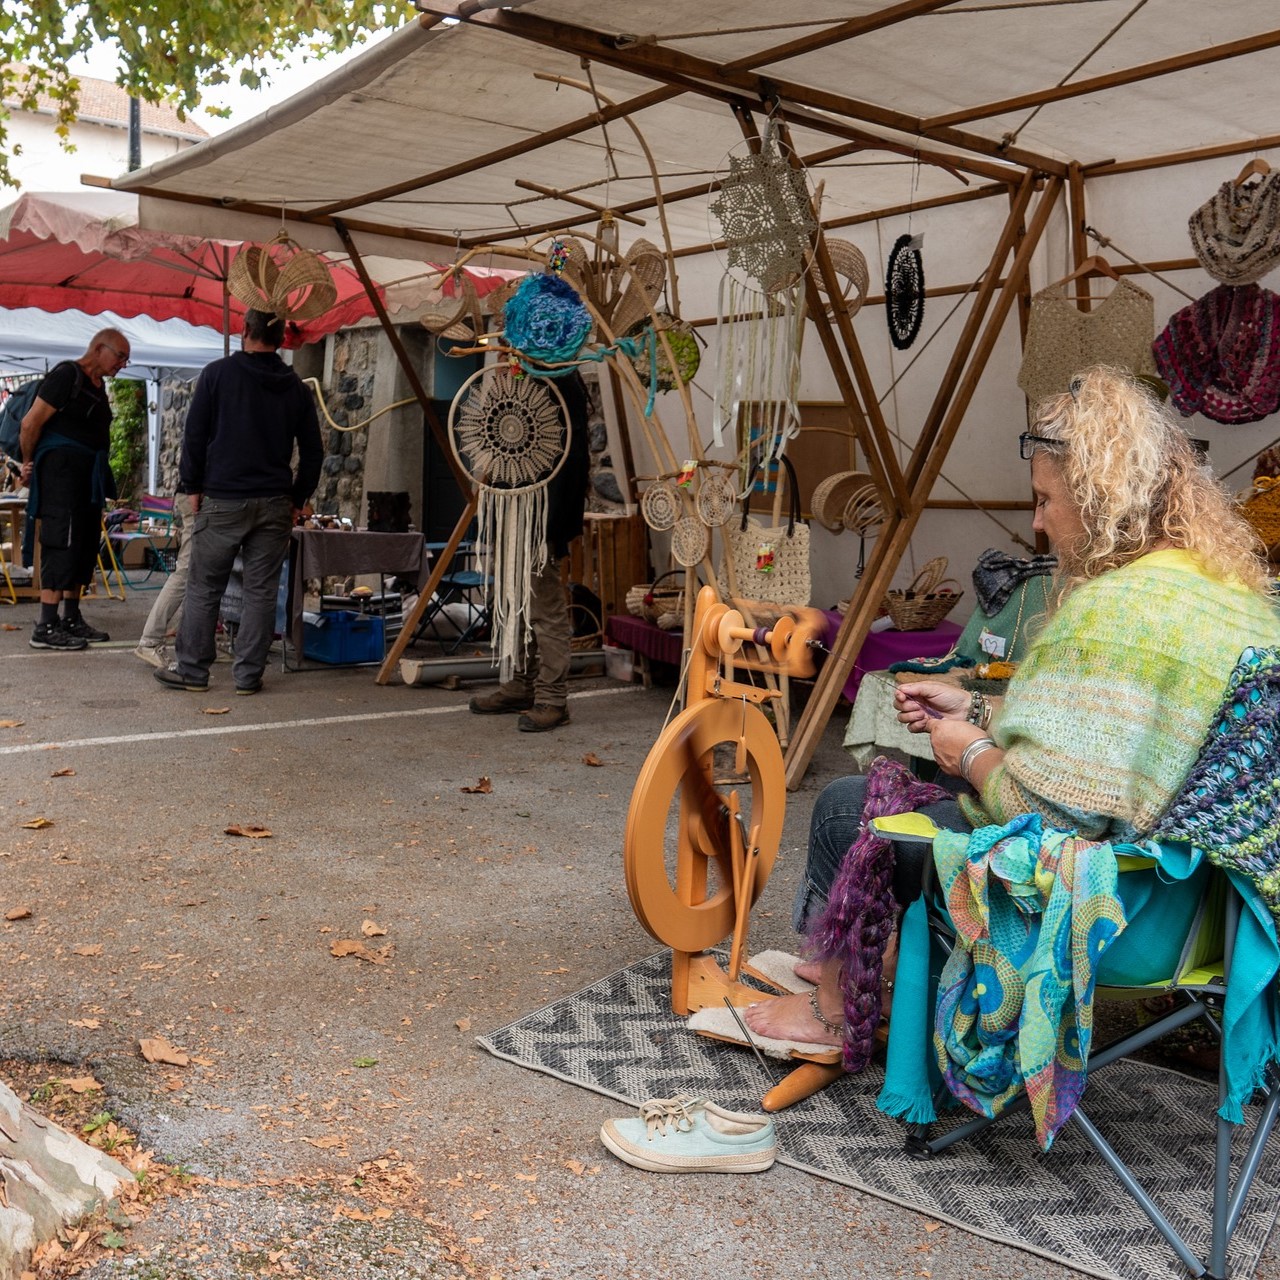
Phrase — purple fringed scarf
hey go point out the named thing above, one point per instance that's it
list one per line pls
(858, 919)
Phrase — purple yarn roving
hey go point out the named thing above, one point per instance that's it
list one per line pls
(854, 927)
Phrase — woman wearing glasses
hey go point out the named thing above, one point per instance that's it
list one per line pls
(1161, 588)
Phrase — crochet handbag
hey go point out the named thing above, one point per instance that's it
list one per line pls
(770, 562)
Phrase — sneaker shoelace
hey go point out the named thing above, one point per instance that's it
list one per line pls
(660, 1113)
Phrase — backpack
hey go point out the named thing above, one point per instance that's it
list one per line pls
(18, 405)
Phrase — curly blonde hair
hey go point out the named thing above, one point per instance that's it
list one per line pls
(1135, 479)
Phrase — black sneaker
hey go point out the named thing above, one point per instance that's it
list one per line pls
(52, 635)
(172, 680)
(83, 631)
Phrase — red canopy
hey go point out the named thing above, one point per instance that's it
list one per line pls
(84, 251)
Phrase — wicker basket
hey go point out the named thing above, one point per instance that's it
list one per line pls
(925, 602)
(587, 640)
(654, 602)
(1261, 508)
(832, 495)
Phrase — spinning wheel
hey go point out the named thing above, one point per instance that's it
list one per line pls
(706, 814)
(678, 915)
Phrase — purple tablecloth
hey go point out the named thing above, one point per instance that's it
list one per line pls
(881, 648)
(878, 650)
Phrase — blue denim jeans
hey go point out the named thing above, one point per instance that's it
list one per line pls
(258, 530)
(834, 826)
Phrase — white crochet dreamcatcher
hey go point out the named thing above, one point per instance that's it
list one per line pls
(510, 433)
(766, 221)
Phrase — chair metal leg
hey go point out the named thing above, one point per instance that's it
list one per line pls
(1135, 1189)
(1252, 1159)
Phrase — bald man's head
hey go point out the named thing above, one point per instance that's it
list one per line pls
(108, 353)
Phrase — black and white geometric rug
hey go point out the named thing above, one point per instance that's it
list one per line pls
(618, 1037)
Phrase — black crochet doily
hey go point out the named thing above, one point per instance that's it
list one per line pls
(904, 293)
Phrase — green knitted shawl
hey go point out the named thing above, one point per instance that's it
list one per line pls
(1107, 712)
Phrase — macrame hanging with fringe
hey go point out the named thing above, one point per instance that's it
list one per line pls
(766, 222)
(510, 433)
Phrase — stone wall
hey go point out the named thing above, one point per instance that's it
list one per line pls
(349, 398)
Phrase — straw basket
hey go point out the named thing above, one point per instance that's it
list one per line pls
(1261, 508)
(656, 603)
(925, 602)
(282, 279)
(831, 496)
(587, 640)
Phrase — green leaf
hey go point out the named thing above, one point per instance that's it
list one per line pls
(366, 1062)
(113, 1240)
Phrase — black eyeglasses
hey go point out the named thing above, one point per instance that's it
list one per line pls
(1028, 444)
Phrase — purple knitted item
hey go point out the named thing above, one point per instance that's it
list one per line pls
(858, 919)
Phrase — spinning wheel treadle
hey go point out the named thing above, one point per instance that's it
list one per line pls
(681, 915)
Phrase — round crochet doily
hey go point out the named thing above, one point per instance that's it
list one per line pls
(690, 541)
(660, 505)
(716, 500)
(765, 215)
(904, 293)
(509, 432)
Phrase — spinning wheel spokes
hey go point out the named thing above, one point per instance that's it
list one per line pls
(700, 909)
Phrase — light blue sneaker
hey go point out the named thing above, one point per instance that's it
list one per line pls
(691, 1135)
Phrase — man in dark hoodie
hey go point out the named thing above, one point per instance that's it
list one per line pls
(247, 413)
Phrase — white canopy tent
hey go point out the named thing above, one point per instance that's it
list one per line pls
(1000, 131)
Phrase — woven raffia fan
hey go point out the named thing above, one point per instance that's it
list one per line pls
(460, 317)
(283, 279)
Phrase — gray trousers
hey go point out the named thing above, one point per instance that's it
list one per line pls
(166, 611)
(257, 529)
(542, 673)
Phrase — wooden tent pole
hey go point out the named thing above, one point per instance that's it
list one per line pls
(897, 488)
(410, 624)
(1079, 241)
(991, 281)
(465, 486)
(897, 531)
(1024, 290)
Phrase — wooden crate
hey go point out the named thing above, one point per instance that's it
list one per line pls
(610, 558)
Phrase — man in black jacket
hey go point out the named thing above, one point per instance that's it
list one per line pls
(539, 687)
(247, 413)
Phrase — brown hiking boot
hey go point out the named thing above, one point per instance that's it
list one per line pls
(541, 717)
(498, 703)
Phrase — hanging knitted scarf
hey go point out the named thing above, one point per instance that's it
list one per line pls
(997, 575)
(855, 926)
(1220, 355)
(1236, 233)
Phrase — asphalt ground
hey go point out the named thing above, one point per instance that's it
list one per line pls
(345, 1121)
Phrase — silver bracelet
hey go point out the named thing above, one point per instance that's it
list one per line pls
(971, 753)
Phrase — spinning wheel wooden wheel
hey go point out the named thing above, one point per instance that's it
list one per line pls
(737, 833)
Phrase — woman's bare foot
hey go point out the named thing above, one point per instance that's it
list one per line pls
(809, 971)
(791, 1018)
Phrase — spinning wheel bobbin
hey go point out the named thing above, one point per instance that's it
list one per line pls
(732, 634)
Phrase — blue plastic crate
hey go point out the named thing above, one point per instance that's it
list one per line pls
(339, 636)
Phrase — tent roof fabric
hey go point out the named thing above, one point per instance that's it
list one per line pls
(425, 136)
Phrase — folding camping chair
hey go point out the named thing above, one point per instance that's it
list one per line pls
(463, 599)
(1225, 910)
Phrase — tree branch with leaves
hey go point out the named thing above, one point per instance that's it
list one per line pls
(169, 50)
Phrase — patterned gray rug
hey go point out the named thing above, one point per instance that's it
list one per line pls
(618, 1037)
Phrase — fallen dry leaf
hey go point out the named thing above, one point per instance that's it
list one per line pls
(89, 1024)
(575, 1166)
(158, 1049)
(351, 947)
(526, 1177)
(463, 1024)
(38, 824)
(88, 949)
(81, 1084)
(483, 787)
(215, 711)
(249, 829)
(63, 773)
(331, 1140)
(11, 724)
(371, 929)
(18, 913)
(593, 760)
(932, 1226)
(12, 626)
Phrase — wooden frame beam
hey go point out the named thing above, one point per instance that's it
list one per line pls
(1111, 80)
(897, 530)
(1243, 146)
(700, 75)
